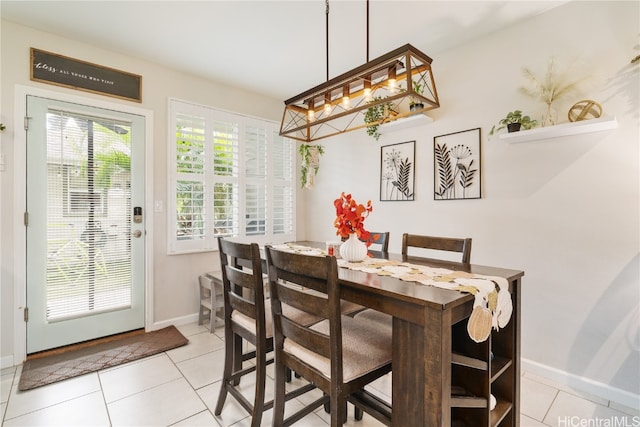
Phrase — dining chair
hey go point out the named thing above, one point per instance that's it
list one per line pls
(381, 239)
(340, 355)
(447, 244)
(247, 318)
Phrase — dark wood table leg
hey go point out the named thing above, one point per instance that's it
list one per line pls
(421, 386)
(408, 374)
(437, 368)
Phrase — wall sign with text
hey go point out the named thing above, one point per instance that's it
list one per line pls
(60, 70)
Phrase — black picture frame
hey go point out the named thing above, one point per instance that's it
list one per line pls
(397, 172)
(59, 70)
(457, 165)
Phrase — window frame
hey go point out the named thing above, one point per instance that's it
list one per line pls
(208, 178)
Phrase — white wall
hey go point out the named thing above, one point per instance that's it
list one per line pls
(566, 211)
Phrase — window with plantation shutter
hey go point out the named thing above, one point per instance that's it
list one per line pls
(230, 176)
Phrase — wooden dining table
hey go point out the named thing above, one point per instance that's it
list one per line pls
(424, 339)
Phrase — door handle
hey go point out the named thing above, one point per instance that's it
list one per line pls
(137, 233)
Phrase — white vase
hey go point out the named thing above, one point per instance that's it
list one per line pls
(353, 250)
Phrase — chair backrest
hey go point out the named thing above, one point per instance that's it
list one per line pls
(289, 275)
(380, 238)
(448, 244)
(243, 287)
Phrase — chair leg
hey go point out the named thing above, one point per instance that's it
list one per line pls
(237, 356)
(258, 401)
(357, 413)
(279, 398)
(212, 321)
(339, 410)
(226, 373)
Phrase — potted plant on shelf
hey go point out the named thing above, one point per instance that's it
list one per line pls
(310, 163)
(416, 103)
(376, 114)
(514, 121)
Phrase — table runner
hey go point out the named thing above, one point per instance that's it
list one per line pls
(492, 305)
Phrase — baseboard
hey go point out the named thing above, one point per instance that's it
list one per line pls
(582, 384)
(177, 321)
(6, 362)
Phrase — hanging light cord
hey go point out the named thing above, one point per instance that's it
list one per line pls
(327, 32)
(367, 31)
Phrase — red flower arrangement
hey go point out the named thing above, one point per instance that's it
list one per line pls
(350, 217)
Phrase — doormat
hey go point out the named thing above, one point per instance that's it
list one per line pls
(58, 367)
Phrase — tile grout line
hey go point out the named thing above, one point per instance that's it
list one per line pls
(550, 405)
(6, 404)
(175, 364)
(104, 399)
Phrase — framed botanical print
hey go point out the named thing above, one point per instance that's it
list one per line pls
(456, 169)
(397, 171)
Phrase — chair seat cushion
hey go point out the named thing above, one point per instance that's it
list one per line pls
(381, 320)
(249, 324)
(364, 349)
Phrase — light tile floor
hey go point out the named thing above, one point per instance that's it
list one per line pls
(180, 388)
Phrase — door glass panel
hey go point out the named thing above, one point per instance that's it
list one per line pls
(88, 215)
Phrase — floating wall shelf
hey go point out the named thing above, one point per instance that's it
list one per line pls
(564, 129)
(403, 123)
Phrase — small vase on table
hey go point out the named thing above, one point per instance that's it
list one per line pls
(353, 250)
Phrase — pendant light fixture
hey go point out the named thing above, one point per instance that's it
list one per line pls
(393, 84)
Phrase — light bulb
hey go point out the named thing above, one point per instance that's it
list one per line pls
(367, 89)
(346, 101)
(391, 79)
(311, 114)
(327, 103)
(391, 84)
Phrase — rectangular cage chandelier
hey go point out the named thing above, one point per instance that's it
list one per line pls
(390, 87)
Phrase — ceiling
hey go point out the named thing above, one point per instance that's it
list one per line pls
(277, 48)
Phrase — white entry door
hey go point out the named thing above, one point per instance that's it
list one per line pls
(85, 225)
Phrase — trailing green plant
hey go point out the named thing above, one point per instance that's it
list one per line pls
(310, 163)
(512, 117)
(375, 114)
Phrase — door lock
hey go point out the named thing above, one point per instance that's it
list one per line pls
(137, 215)
(137, 233)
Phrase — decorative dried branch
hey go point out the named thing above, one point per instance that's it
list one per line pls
(549, 89)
